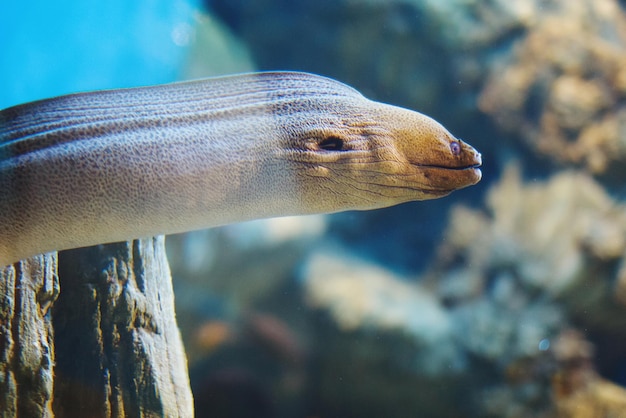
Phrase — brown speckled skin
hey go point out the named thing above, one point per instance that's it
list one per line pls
(110, 166)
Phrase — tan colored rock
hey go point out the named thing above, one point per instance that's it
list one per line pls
(577, 390)
(360, 295)
(598, 399)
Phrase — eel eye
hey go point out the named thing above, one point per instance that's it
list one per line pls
(455, 148)
(332, 143)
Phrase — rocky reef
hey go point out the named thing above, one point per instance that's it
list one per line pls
(561, 89)
(540, 259)
(565, 237)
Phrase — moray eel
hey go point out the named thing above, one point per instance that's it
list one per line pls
(107, 166)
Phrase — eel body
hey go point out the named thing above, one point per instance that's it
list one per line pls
(109, 166)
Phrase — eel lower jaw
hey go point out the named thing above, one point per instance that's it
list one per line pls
(472, 162)
(444, 167)
(475, 168)
(451, 178)
(469, 167)
(477, 173)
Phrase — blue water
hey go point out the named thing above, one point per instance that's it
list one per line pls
(52, 48)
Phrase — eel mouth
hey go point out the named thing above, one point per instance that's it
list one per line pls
(450, 178)
(474, 162)
(445, 167)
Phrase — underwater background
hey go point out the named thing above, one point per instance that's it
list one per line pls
(506, 299)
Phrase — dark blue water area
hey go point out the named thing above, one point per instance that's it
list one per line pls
(53, 48)
(407, 249)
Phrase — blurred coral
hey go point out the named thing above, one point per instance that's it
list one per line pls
(276, 336)
(541, 256)
(381, 342)
(360, 296)
(211, 335)
(599, 399)
(578, 391)
(562, 87)
(563, 237)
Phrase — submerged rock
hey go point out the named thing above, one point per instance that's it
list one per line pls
(362, 296)
(381, 343)
(563, 238)
(578, 391)
(542, 258)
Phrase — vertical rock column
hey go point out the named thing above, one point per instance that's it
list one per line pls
(27, 291)
(119, 350)
(112, 330)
